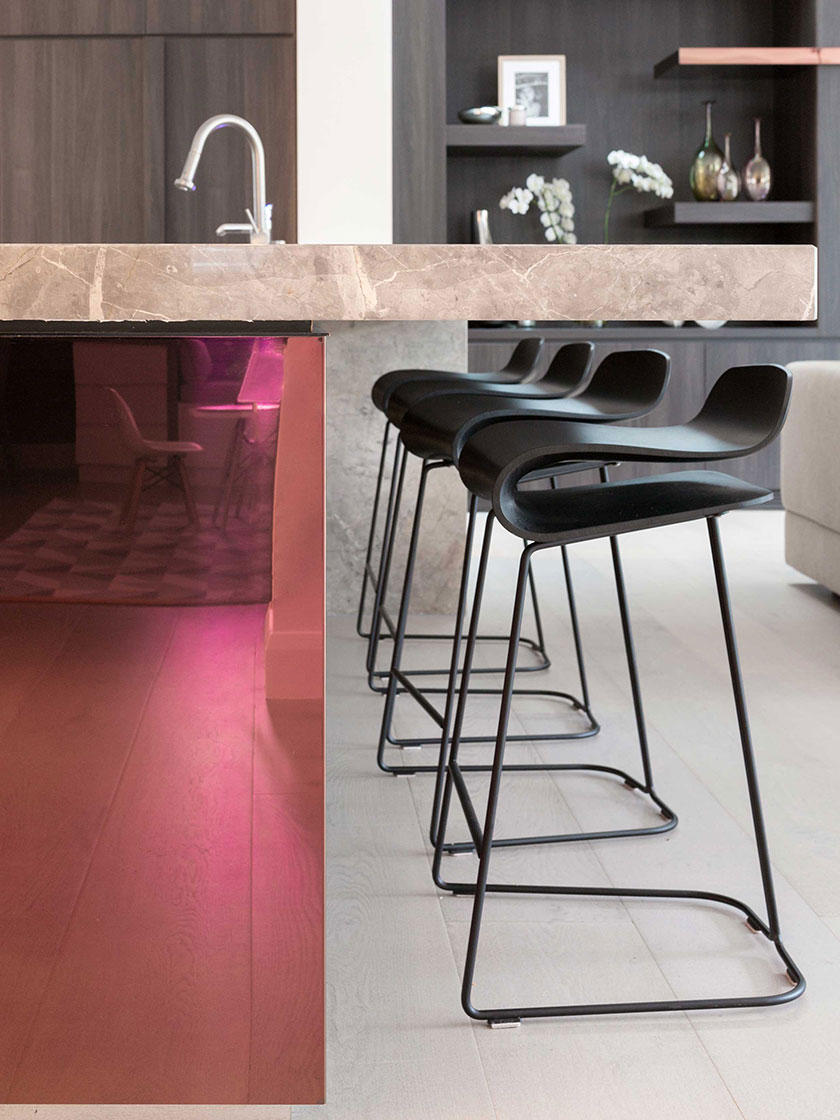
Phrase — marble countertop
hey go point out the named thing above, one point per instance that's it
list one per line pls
(194, 283)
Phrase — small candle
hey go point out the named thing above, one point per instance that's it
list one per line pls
(516, 115)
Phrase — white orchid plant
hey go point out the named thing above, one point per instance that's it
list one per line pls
(554, 201)
(634, 173)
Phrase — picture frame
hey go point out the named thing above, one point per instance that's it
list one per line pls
(536, 81)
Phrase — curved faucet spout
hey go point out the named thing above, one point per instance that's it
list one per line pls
(260, 227)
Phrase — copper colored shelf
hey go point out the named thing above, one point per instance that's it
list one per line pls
(689, 58)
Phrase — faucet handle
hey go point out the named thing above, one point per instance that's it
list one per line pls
(233, 227)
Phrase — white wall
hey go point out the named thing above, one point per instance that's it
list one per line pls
(344, 121)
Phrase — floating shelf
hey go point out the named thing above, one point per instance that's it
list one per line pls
(693, 61)
(730, 213)
(493, 139)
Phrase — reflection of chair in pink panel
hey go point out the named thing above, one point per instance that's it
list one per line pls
(254, 437)
(155, 461)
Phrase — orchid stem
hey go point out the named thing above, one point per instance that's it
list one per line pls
(613, 195)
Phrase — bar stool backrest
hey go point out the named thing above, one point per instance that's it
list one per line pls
(628, 381)
(524, 360)
(571, 369)
(746, 406)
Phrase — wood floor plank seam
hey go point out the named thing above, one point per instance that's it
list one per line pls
(105, 820)
(448, 939)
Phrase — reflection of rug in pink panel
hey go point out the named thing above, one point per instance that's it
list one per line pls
(74, 551)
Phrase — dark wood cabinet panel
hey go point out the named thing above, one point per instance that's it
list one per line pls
(72, 17)
(419, 65)
(153, 17)
(220, 17)
(254, 78)
(78, 117)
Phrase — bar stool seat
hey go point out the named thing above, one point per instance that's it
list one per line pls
(568, 374)
(521, 367)
(626, 385)
(584, 513)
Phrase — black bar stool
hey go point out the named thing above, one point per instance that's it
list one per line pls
(568, 374)
(521, 368)
(627, 384)
(744, 412)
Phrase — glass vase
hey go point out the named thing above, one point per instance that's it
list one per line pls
(707, 164)
(728, 179)
(758, 178)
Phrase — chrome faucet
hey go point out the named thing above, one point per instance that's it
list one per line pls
(259, 218)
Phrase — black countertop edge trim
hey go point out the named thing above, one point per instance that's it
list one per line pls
(32, 328)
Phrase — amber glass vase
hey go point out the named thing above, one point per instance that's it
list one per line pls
(707, 164)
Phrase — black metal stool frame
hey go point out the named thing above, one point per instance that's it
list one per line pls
(378, 580)
(457, 738)
(400, 682)
(484, 838)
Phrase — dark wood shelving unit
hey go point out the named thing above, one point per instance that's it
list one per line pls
(703, 62)
(729, 214)
(489, 139)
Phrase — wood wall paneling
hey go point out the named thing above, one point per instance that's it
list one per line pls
(612, 91)
(154, 142)
(220, 17)
(74, 119)
(73, 17)
(419, 114)
(827, 171)
(253, 77)
(154, 17)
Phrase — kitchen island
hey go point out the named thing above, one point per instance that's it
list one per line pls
(287, 292)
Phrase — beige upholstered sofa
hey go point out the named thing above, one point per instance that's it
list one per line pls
(810, 474)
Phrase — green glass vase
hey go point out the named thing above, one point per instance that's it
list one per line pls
(707, 164)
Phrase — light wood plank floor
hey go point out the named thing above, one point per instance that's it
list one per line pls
(400, 1048)
(160, 864)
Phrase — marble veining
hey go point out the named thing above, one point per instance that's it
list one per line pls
(178, 283)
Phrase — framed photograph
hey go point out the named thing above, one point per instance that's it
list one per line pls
(537, 82)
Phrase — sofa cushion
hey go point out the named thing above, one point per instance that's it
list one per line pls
(811, 444)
